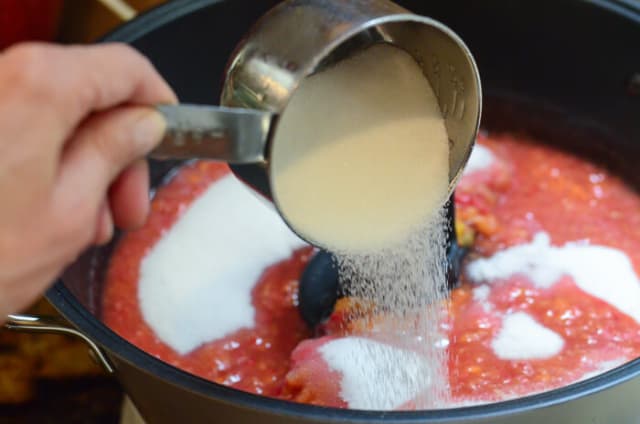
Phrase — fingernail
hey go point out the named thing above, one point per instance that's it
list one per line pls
(149, 129)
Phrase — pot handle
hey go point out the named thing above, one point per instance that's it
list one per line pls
(41, 324)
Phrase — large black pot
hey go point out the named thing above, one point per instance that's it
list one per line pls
(562, 69)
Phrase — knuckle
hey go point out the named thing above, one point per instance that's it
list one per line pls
(110, 137)
(86, 95)
(27, 67)
(97, 92)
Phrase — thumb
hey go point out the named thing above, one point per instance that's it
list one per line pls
(107, 142)
(103, 146)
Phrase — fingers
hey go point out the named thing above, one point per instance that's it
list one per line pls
(127, 205)
(71, 119)
(109, 142)
(129, 196)
(63, 85)
(104, 146)
(104, 227)
(110, 74)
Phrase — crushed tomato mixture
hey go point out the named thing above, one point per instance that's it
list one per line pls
(528, 188)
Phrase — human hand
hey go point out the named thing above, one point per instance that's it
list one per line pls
(75, 125)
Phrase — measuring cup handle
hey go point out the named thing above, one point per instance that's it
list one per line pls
(233, 135)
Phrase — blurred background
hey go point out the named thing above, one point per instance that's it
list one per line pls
(49, 378)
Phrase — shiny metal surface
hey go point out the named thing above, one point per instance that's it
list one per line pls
(41, 324)
(233, 135)
(298, 38)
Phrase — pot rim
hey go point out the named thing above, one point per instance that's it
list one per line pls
(85, 321)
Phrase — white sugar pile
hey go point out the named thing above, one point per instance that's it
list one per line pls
(481, 159)
(522, 337)
(195, 283)
(371, 375)
(601, 271)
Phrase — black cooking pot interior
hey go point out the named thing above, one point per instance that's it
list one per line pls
(559, 70)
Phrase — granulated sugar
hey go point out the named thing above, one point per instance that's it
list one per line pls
(406, 285)
(521, 337)
(189, 299)
(361, 153)
(601, 271)
(376, 375)
(481, 158)
(360, 166)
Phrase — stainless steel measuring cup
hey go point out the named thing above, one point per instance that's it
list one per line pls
(299, 38)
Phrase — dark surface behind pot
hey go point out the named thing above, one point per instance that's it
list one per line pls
(558, 69)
